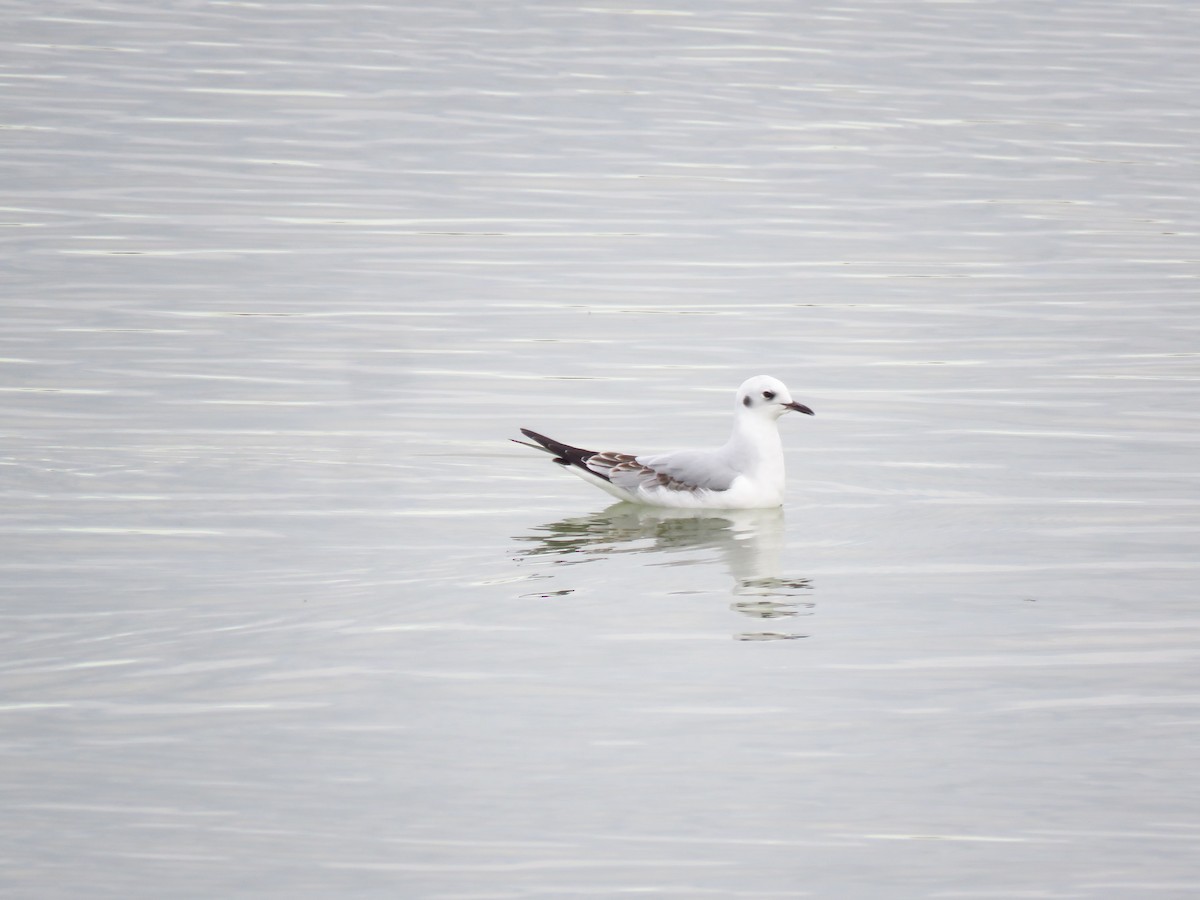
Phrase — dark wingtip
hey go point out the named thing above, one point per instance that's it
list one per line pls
(564, 454)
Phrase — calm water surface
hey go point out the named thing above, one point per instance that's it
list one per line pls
(286, 615)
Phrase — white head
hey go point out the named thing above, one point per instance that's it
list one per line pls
(768, 397)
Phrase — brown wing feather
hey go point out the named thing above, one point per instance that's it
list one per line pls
(623, 470)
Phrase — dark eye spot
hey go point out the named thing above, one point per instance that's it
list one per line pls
(745, 401)
(768, 395)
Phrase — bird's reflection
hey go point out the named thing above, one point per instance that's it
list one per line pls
(749, 542)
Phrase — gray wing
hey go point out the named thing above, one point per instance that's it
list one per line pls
(685, 470)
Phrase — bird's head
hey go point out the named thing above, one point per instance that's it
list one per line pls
(769, 397)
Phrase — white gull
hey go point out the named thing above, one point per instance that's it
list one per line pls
(747, 472)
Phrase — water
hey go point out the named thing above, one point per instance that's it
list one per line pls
(286, 615)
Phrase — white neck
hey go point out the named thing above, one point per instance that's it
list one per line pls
(756, 446)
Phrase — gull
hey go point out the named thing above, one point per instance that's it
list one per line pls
(745, 473)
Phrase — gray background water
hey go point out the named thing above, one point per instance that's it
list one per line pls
(284, 613)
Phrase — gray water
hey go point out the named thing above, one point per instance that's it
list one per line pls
(285, 614)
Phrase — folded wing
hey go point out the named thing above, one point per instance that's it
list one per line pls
(688, 470)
